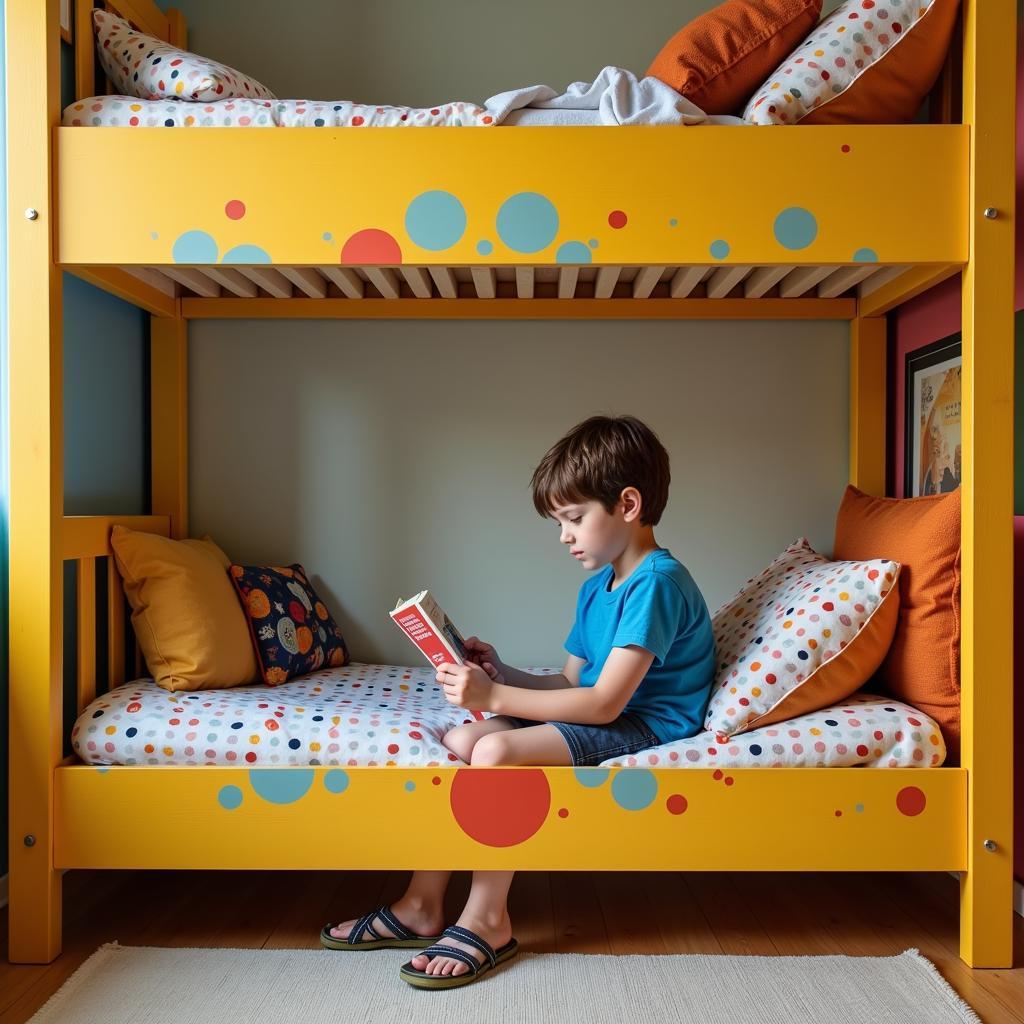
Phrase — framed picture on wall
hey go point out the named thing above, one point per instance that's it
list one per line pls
(932, 419)
(65, 20)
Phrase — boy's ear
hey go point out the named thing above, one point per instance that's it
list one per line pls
(632, 501)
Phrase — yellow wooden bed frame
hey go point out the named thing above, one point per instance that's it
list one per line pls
(930, 200)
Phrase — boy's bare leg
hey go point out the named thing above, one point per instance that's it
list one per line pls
(421, 906)
(486, 910)
(463, 738)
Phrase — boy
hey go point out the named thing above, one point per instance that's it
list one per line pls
(639, 673)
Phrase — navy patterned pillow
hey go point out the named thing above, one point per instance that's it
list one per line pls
(292, 629)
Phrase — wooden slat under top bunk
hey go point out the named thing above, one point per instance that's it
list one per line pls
(358, 283)
(331, 217)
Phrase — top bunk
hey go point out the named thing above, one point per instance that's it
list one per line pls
(808, 220)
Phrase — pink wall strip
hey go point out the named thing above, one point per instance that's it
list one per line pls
(1018, 698)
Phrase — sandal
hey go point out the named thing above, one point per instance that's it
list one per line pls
(420, 979)
(402, 939)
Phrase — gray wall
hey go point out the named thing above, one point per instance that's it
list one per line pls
(392, 456)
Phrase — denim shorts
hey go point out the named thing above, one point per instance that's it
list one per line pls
(592, 744)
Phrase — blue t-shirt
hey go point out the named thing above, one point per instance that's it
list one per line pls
(660, 608)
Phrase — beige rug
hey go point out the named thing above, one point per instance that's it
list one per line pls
(152, 985)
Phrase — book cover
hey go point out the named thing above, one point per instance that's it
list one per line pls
(434, 634)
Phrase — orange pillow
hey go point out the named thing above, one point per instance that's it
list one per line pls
(923, 534)
(720, 58)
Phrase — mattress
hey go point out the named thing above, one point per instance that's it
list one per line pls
(379, 715)
(129, 112)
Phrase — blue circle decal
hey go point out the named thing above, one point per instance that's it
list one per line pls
(281, 785)
(527, 222)
(795, 228)
(230, 797)
(634, 788)
(573, 252)
(194, 247)
(247, 254)
(719, 249)
(435, 220)
(591, 777)
(865, 256)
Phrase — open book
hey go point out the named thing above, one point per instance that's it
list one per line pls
(433, 633)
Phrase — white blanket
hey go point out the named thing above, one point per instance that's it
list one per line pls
(617, 95)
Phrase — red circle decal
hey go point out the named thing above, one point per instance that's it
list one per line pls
(499, 807)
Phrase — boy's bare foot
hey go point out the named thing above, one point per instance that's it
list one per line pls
(497, 933)
(420, 920)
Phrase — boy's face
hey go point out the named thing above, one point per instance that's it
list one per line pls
(594, 536)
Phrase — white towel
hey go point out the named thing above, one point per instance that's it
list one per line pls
(617, 95)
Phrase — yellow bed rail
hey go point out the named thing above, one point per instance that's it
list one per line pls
(558, 819)
(517, 196)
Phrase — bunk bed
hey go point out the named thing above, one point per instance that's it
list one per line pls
(955, 215)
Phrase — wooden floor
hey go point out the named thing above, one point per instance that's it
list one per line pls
(602, 912)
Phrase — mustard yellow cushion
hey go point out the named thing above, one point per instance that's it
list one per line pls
(189, 624)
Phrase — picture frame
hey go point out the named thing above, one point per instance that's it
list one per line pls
(932, 437)
(65, 20)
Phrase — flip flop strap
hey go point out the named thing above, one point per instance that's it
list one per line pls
(465, 935)
(400, 930)
(456, 954)
(361, 926)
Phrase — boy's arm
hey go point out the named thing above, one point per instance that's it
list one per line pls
(624, 670)
(570, 676)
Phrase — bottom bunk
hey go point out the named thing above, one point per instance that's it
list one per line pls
(411, 803)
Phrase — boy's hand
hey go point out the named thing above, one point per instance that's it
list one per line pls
(483, 654)
(467, 686)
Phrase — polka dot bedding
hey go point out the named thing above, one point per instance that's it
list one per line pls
(845, 44)
(353, 715)
(142, 65)
(128, 112)
(866, 731)
(381, 715)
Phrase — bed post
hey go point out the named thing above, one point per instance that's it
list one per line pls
(169, 420)
(36, 484)
(867, 404)
(986, 887)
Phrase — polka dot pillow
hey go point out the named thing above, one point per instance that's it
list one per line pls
(150, 69)
(292, 629)
(804, 634)
(868, 62)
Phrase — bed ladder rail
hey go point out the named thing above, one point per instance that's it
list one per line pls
(86, 538)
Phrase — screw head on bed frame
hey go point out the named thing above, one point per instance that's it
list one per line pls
(991, 212)
(30, 840)
(31, 214)
(990, 845)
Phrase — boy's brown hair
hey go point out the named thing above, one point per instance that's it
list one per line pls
(597, 460)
